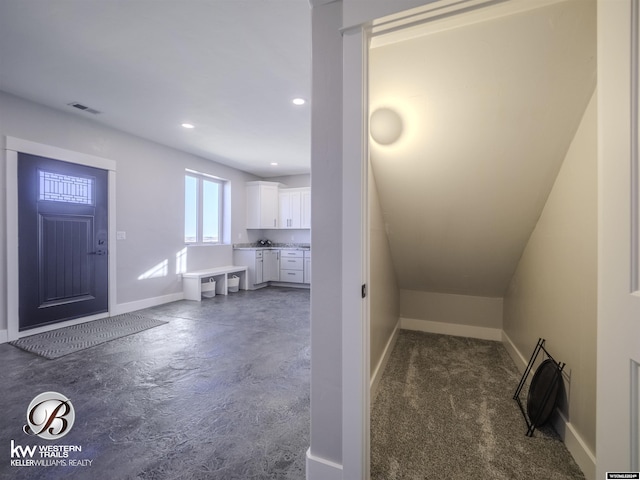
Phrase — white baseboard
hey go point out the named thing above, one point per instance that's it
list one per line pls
(382, 363)
(291, 285)
(579, 450)
(322, 469)
(146, 303)
(582, 454)
(514, 353)
(4, 336)
(455, 329)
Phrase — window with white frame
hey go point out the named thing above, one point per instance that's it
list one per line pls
(203, 208)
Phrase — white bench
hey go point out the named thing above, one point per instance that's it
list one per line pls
(191, 281)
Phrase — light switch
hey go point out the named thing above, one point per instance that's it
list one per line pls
(121, 235)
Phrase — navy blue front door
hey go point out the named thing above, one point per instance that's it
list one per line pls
(63, 241)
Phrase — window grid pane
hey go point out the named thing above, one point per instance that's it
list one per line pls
(190, 209)
(210, 212)
(203, 209)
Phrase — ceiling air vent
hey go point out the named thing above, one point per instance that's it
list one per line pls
(84, 108)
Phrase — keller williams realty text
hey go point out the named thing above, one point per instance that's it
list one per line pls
(50, 462)
(46, 456)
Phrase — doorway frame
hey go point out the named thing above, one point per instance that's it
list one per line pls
(356, 402)
(13, 147)
(357, 38)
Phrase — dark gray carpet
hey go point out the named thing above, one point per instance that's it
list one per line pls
(219, 393)
(64, 341)
(445, 410)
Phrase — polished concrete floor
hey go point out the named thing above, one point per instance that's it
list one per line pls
(219, 392)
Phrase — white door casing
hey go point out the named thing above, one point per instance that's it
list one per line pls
(618, 418)
(617, 435)
(355, 257)
(13, 146)
(618, 412)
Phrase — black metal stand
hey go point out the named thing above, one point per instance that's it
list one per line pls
(532, 422)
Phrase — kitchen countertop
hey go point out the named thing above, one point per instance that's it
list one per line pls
(275, 246)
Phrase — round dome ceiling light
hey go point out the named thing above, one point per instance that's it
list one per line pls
(385, 126)
(299, 101)
(188, 125)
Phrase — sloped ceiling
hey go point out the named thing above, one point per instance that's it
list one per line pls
(230, 67)
(488, 111)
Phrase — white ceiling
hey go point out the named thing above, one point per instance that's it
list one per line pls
(489, 110)
(230, 67)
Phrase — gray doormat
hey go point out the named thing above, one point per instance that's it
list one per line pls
(67, 340)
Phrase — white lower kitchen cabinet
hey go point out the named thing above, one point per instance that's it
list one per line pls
(292, 266)
(253, 260)
(263, 265)
(274, 265)
(259, 276)
(307, 267)
(271, 265)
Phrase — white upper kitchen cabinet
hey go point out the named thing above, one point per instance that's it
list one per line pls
(292, 207)
(262, 204)
(306, 208)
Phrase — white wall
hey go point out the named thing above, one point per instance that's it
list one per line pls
(464, 315)
(287, 236)
(325, 452)
(149, 196)
(384, 303)
(357, 12)
(292, 181)
(554, 289)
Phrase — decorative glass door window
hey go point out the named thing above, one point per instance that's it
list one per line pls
(56, 187)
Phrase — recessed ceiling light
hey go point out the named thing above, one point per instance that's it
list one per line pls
(188, 125)
(299, 101)
(274, 164)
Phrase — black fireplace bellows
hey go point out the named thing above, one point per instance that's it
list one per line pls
(543, 392)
